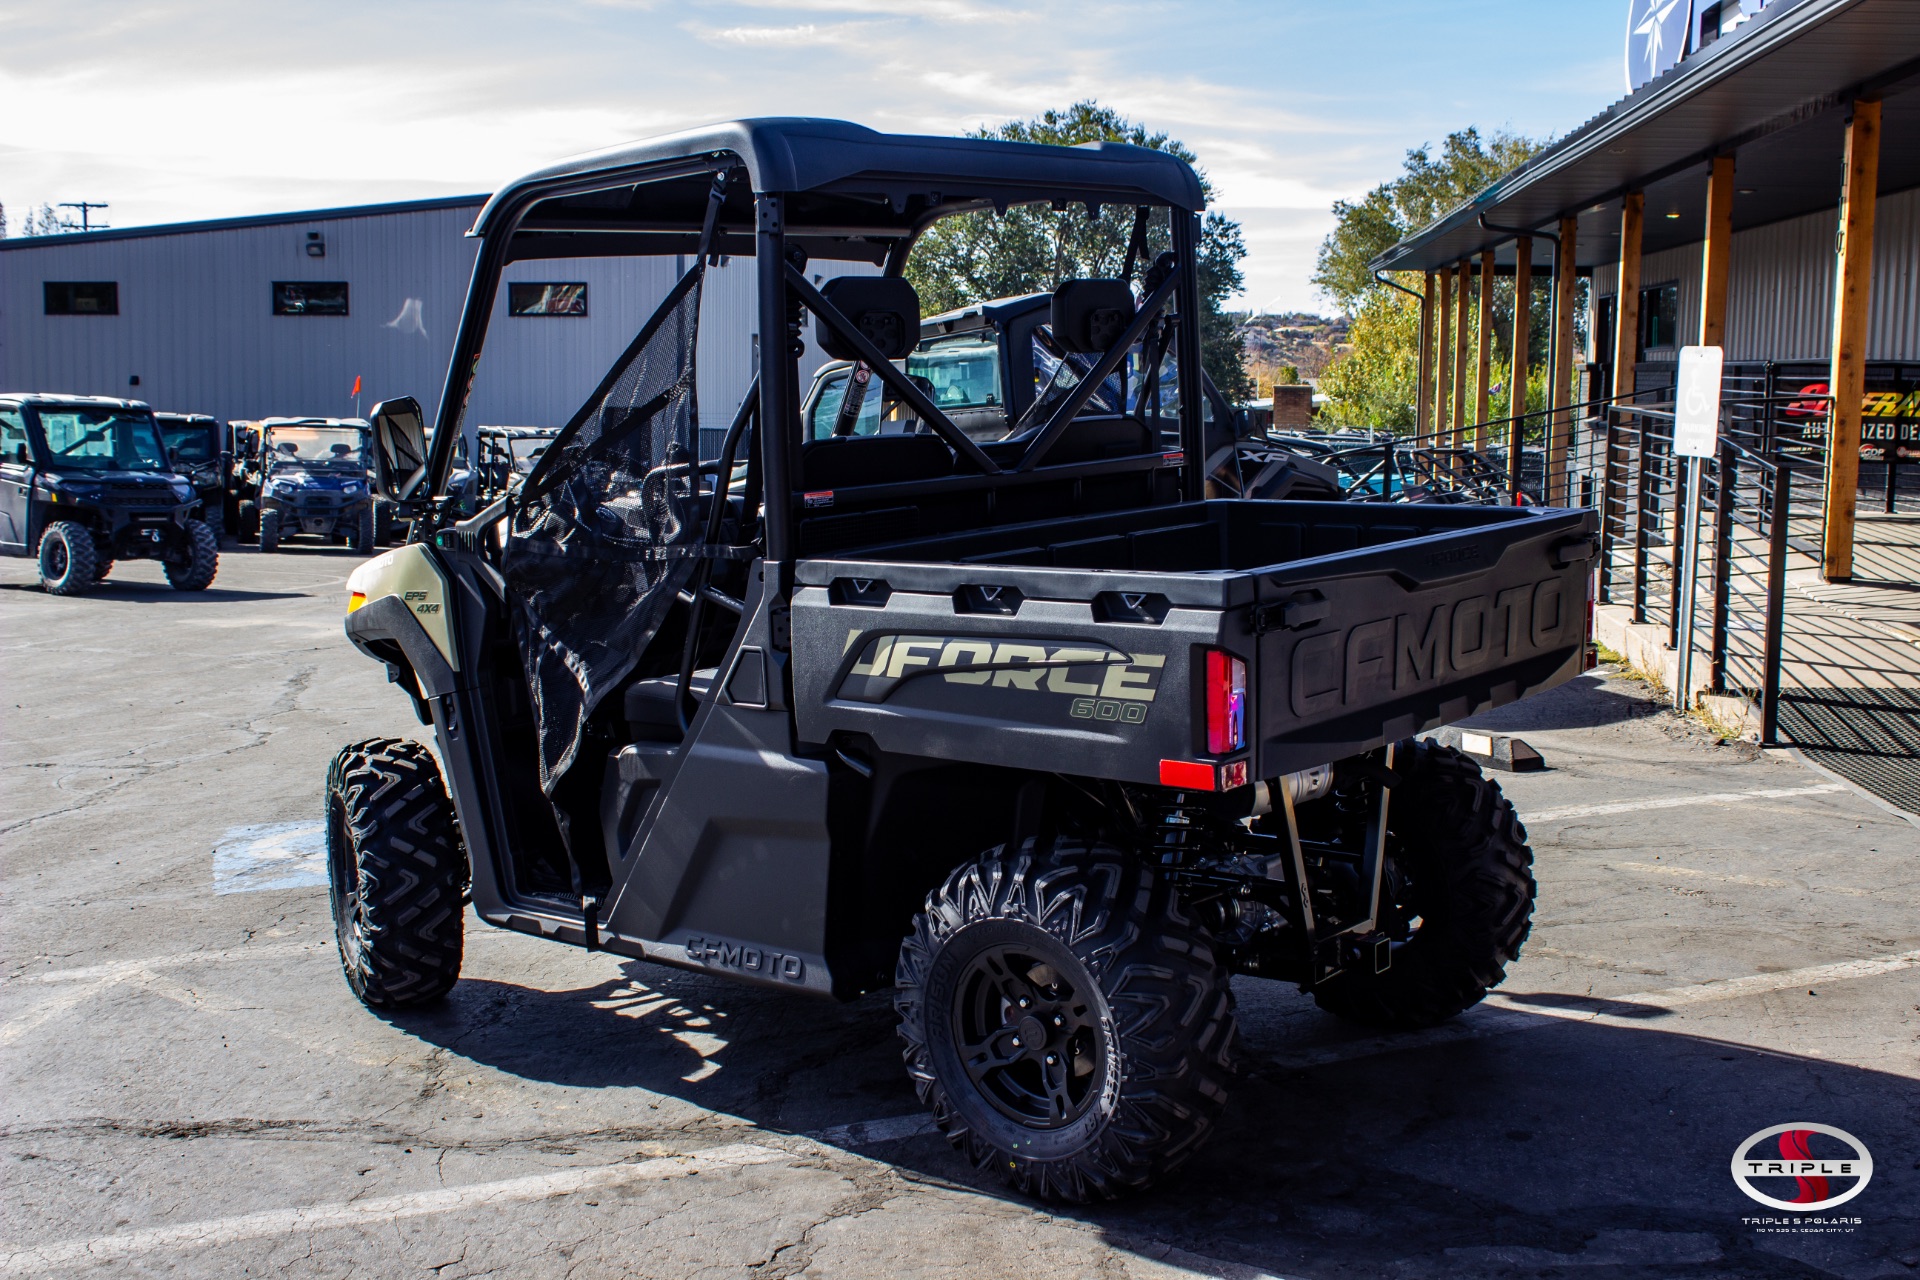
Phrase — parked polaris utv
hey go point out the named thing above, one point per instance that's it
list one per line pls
(313, 480)
(1027, 731)
(85, 481)
(997, 371)
(197, 447)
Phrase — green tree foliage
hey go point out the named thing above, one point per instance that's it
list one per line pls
(1375, 383)
(974, 257)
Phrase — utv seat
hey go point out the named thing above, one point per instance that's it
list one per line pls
(843, 462)
(649, 704)
(1092, 438)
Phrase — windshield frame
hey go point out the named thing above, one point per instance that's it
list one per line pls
(270, 438)
(53, 460)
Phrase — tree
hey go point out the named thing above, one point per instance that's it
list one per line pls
(974, 257)
(1375, 383)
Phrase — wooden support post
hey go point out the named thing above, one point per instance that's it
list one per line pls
(1443, 382)
(1423, 398)
(1484, 387)
(1566, 285)
(1717, 254)
(1522, 328)
(1460, 373)
(1626, 302)
(1847, 376)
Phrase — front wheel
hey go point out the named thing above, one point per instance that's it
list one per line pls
(382, 522)
(68, 559)
(1458, 893)
(249, 521)
(1065, 1020)
(396, 871)
(360, 537)
(270, 530)
(202, 562)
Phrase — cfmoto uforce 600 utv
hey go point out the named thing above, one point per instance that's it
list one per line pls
(1019, 723)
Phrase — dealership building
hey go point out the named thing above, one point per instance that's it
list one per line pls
(1757, 189)
(283, 314)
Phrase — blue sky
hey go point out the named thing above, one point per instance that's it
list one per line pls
(178, 109)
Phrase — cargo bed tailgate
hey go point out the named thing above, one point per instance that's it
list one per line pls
(1363, 647)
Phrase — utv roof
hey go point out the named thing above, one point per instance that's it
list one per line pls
(194, 419)
(54, 397)
(845, 183)
(308, 422)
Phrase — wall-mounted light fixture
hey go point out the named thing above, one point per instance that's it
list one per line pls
(134, 381)
(316, 247)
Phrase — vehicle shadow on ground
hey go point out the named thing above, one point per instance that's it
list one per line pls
(1584, 702)
(1554, 1143)
(149, 592)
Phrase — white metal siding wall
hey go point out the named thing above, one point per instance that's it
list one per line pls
(196, 323)
(1780, 285)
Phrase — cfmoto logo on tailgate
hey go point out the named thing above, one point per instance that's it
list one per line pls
(1102, 683)
(1377, 659)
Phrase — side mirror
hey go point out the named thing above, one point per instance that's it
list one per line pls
(399, 447)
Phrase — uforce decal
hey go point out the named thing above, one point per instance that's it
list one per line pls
(744, 957)
(1374, 660)
(1087, 674)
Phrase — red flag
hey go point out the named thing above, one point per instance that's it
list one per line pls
(356, 384)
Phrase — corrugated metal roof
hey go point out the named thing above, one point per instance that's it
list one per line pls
(1780, 74)
(253, 220)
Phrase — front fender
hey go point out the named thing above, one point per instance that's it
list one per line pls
(380, 626)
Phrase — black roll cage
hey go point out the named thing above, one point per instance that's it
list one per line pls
(513, 233)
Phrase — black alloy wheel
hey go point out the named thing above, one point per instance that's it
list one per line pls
(1030, 1042)
(1066, 1019)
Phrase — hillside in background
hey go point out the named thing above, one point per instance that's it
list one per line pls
(1307, 342)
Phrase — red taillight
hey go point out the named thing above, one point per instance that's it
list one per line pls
(1226, 702)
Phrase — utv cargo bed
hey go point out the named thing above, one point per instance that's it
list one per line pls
(1361, 624)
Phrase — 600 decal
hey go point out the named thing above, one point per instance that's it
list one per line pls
(1108, 709)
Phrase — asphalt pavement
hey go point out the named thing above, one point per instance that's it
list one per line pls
(1726, 941)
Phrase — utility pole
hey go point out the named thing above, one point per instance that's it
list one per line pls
(83, 206)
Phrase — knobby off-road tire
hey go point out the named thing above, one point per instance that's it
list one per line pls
(382, 522)
(1459, 861)
(269, 530)
(1115, 1070)
(397, 871)
(249, 522)
(196, 572)
(360, 538)
(69, 562)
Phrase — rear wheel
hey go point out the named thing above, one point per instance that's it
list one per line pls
(202, 562)
(69, 563)
(269, 530)
(1459, 886)
(382, 522)
(249, 520)
(397, 872)
(1065, 1020)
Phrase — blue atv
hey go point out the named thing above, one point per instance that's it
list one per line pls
(313, 481)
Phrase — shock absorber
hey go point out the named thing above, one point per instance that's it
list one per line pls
(1175, 830)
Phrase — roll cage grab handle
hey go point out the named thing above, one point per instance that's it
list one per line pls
(777, 374)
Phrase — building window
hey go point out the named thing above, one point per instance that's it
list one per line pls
(1659, 317)
(309, 298)
(82, 298)
(536, 299)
